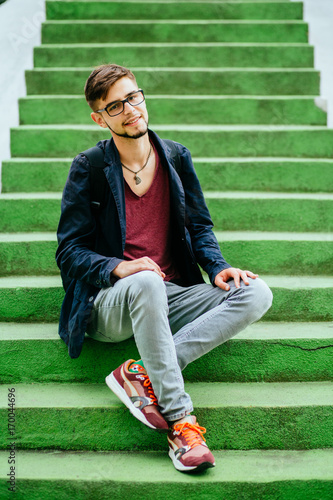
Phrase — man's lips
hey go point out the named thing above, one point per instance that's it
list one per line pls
(132, 121)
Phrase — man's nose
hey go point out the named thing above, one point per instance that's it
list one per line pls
(128, 108)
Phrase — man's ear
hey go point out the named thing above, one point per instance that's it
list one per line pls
(97, 118)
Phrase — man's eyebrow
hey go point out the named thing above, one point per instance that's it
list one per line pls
(126, 95)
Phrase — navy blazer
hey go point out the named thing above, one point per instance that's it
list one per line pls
(90, 246)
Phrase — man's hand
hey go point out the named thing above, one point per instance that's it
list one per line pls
(235, 274)
(128, 267)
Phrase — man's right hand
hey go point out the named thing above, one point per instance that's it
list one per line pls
(128, 267)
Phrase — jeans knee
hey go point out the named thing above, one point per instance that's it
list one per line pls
(150, 287)
(261, 297)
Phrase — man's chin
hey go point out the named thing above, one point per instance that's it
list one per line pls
(133, 134)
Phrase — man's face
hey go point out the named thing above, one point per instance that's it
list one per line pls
(132, 123)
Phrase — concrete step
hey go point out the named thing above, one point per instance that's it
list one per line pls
(271, 211)
(296, 299)
(29, 212)
(59, 141)
(236, 174)
(194, 55)
(264, 352)
(176, 81)
(30, 298)
(230, 211)
(213, 110)
(33, 252)
(179, 31)
(237, 416)
(123, 10)
(264, 252)
(279, 253)
(238, 474)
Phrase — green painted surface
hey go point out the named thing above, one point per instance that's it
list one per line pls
(39, 299)
(177, 31)
(233, 213)
(291, 475)
(238, 416)
(34, 214)
(271, 214)
(301, 257)
(267, 352)
(251, 81)
(276, 257)
(266, 174)
(30, 304)
(166, 10)
(190, 55)
(226, 174)
(52, 110)
(65, 141)
(26, 175)
(30, 257)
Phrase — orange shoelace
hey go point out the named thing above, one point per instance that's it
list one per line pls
(192, 433)
(151, 393)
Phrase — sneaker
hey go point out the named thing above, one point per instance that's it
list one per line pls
(188, 450)
(136, 392)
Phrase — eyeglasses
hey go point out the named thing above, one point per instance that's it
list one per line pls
(116, 107)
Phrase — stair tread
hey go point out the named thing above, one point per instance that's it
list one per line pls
(292, 282)
(241, 22)
(260, 466)
(159, 69)
(173, 44)
(208, 195)
(27, 237)
(235, 159)
(183, 97)
(203, 394)
(281, 331)
(269, 236)
(188, 128)
(220, 235)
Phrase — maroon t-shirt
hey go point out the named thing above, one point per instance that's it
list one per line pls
(148, 223)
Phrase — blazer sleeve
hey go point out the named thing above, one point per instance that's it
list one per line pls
(76, 233)
(198, 221)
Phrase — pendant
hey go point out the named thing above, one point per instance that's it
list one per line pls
(137, 180)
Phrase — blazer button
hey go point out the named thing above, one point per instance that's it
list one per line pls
(91, 298)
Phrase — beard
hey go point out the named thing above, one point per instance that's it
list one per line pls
(126, 135)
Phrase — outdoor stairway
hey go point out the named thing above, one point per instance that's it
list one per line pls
(233, 81)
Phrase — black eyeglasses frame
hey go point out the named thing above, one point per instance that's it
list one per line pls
(123, 103)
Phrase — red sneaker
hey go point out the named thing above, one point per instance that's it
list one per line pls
(188, 450)
(136, 392)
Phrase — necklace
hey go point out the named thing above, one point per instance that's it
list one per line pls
(136, 177)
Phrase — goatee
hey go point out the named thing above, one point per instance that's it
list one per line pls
(127, 136)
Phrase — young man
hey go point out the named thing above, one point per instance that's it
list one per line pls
(132, 268)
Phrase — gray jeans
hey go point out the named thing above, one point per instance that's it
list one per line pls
(174, 325)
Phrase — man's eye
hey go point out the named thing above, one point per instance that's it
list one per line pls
(114, 106)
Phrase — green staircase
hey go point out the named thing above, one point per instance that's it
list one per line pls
(234, 81)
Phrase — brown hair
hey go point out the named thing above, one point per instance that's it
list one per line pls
(101, 79)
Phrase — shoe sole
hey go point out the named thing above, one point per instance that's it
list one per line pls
(183, 468)
(115, 387)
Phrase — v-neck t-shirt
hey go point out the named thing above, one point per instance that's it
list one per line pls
(148, 223)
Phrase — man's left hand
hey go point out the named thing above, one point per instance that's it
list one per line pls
(235, 274)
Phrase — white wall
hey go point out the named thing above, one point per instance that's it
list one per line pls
(20, 22)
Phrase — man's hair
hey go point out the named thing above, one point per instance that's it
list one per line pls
(101, 79)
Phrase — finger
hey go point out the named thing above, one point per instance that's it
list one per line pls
(221, 284)
(251, 275)
(150, 265)
(153, 263)
(237, 280)
(244, 278)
